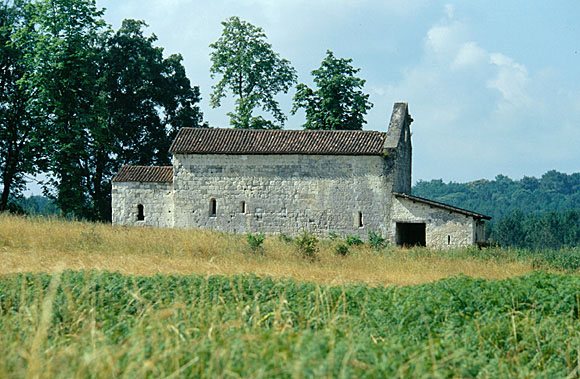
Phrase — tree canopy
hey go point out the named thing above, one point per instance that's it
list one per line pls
(252, 72)
(102, 99)
(22, 127)
(338, 102)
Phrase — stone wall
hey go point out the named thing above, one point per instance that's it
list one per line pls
(444, 229)
(283, 193)
(156, 198)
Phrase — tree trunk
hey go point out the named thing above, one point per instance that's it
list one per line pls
(7, 181)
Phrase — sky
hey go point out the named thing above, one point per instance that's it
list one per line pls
(493, 86)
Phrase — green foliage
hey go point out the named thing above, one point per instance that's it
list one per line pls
(551, 230)
(338, 102)
(554, 191)
(93, 100)
(255, 241)
(22, 126)
(252, 71)
(285, 238)
(333, 236)
(35, 206)
(106, 324)
(307, 244)
(341, 249)
(353, 241)
(376, 240)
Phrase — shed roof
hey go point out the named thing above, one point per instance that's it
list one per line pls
(442, 206)
(248, 141)
(158, 174)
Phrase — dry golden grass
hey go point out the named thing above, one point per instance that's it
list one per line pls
(46, 245)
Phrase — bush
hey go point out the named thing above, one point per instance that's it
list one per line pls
(353, 241)
(307, 244)
(376, 240)
(341, 249)
(285, 238)
(255, 241)
(333, 236)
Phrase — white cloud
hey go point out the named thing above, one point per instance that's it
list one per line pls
(450, 11)
(444, 39)
(469, 55)
(511, 79)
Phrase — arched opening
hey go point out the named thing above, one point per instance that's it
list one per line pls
(140, 214)
(212, 208)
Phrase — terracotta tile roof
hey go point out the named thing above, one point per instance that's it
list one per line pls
(159, 174)
(441, 205)
(246, 141)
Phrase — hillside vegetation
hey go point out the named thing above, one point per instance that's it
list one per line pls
(528, 213)
(554, 191)
(91, 324)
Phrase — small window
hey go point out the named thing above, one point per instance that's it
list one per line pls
(360, 220)
(212, 208)
(140, 214)
(448, 239)
(243, 207)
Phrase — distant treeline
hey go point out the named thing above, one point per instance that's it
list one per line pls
(551, 230)
(530, 213)
(34, 205)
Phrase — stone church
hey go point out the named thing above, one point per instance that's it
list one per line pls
(290, 181)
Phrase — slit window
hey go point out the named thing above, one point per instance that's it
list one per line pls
(243, 207)
(212, 208)
(360, 220)
(140, 214)
(448, 239)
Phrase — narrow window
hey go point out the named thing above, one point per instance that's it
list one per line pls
(360, 220)
(448, 239)
(212, 208)
(140, 215)
(243, 207)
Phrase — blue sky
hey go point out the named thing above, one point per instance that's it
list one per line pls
(493, 86)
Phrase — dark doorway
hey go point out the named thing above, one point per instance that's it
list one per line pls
(140, 214)
(411, 234)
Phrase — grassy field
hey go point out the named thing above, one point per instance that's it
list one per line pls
(189, 303)
(95, 324)
(43, 245)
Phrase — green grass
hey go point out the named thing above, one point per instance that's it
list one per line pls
(98, 324)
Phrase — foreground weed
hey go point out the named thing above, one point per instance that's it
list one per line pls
(255, 241)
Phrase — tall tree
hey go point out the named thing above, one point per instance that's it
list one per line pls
(338, 102)
(21, 127)
(149, 98)
(111, 99)
(69, 59)
(252, 71)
